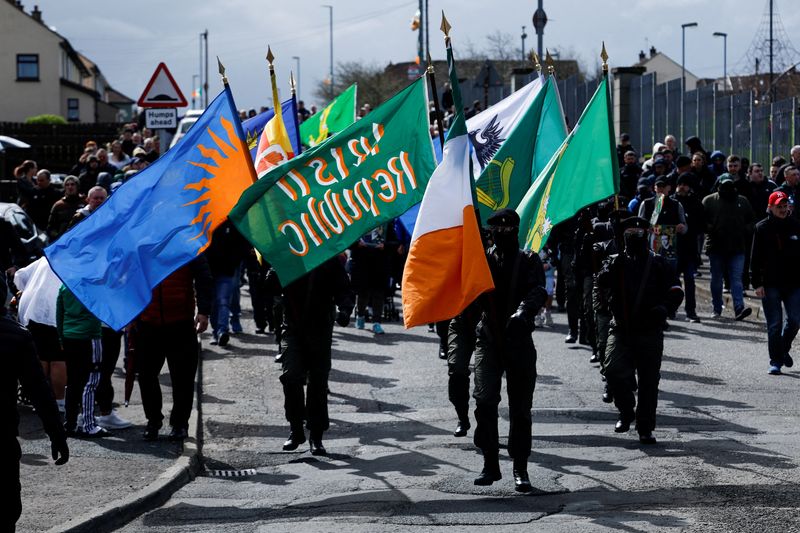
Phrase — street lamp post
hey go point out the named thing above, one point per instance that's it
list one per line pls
(724, 57)
(523, 36)
(683, 71)
(330, 23)
(299, 94)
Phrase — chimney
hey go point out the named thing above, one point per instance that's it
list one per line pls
(653, 51)
(642, 55)
(36, 14)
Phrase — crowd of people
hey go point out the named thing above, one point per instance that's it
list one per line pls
(614, 268)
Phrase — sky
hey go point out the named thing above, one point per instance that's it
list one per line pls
(128, 40)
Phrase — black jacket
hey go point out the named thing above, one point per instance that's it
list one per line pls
(759, 196)
(309, 300)
(227, 250)
(775, 259)
(20, 364)
(518, 286)
(624, 278)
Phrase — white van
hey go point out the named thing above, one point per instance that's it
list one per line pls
(186, 122)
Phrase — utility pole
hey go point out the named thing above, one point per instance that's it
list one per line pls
(204, 35)
(330, 24)
(771, 73)
(539, 20)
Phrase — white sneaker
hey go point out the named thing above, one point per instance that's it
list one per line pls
(112, 421)
(548, 319)
(538, 321)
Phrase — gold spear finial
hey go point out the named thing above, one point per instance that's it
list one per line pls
(292, 85)
(604, 57)
(445, 27)
(551, 65)
(535, 60)
(270, 57)
(222, 71)
(429, 69)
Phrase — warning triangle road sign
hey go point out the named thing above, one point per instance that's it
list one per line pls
(162, 91)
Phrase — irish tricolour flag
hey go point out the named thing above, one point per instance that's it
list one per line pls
(446, 267)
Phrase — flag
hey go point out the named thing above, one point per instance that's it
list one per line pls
(157, 221)
(489, 128)
(446, 268)
(583, 170)
(531, 142)
(337, 116)
(253, 127)
(315, 206)
(274, 147)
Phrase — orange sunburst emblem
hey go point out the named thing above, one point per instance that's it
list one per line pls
(229, 174)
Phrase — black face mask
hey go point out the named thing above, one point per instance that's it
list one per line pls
(635, 244)
(727, 193)
(507, 242)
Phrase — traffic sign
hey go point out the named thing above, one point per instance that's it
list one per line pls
(161, 118)
(162, 91)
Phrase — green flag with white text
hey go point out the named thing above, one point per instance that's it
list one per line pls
(524, 154)
(337, 116)
(314, 206)
(583, 170)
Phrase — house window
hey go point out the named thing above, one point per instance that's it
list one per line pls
(73, 110)
(27, 67)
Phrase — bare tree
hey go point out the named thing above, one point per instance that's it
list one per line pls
(500, 46)
(375, 85)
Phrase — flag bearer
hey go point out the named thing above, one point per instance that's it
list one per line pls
(504, 344)
(643, 290)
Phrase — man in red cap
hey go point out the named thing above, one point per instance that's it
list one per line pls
(774, 266)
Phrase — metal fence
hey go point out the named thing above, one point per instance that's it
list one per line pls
(574, 97)
(732, 123)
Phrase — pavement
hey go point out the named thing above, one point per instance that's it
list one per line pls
(121, 480)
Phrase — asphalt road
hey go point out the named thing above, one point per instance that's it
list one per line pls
(726, 456)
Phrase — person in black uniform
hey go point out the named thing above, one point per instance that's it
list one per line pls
(504, 344)
(22, 366)
(460, 345)
(643, 291)
(308, 330)
(601, 253)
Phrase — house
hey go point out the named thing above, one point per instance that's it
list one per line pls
(43, 73)
(666, 68)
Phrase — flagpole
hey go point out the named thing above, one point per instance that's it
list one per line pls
(604, 57)
(436, 108)
(292, 87)
(237, 122)
(536, 64)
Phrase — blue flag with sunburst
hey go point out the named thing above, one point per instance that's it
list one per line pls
(159, 220)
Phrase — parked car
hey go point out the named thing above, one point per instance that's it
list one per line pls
(33, 240)
(185, 124)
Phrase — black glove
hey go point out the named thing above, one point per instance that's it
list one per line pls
(59, 451)
(658, 314)
(518, 326)
(343, 318)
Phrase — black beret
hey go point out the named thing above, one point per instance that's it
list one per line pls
(635, 222)
(504, 217)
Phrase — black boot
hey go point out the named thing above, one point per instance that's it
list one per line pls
(607, 396)
(463, 422)
(491, 470)
(462, 427)
(296, 438)
(522, 482)
(316, 444)
(624, 422)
